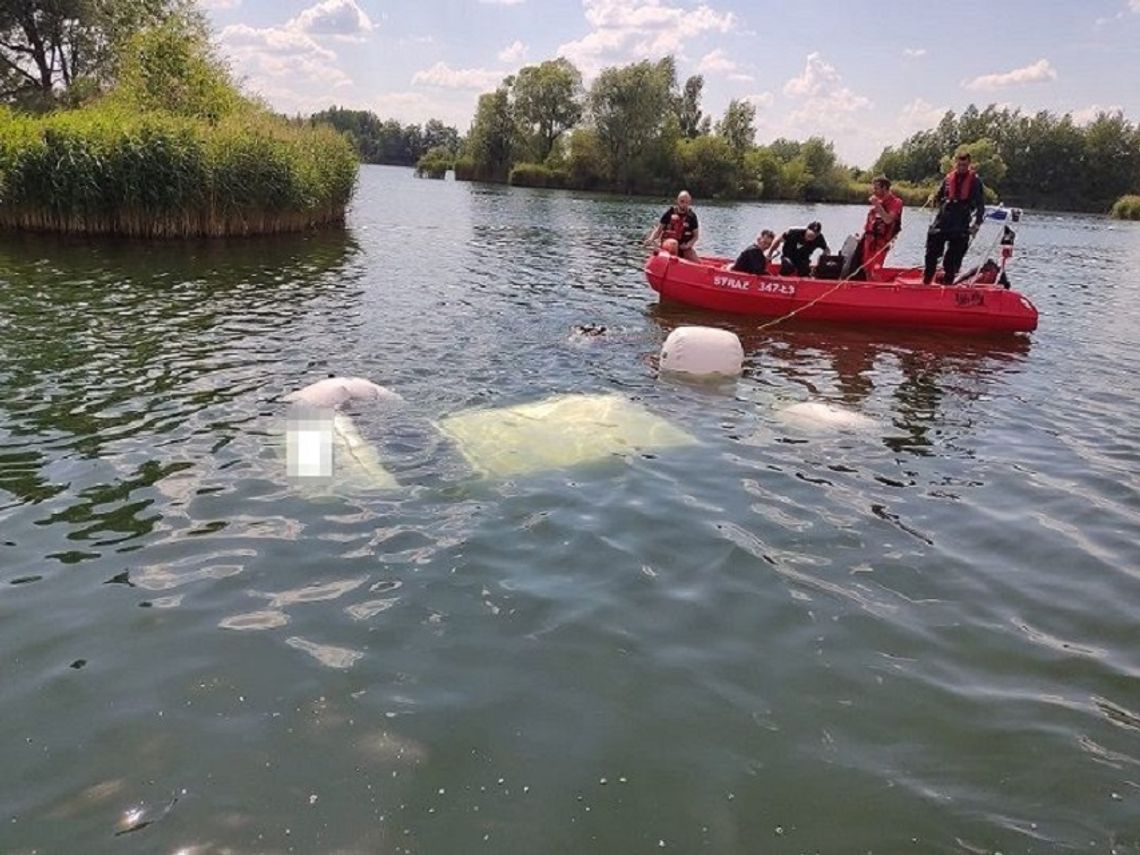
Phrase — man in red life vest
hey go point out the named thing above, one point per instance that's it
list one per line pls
(961, 199)
(679, 223)
(884, 221)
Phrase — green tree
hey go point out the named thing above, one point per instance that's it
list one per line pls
(708, 166)
(586, 161)
(795, 179)
(762, 173)
(493, 138)
(49, 46)
(784, 149)
(630, 107)
(985, 159)
(828, 176)
(691, 122)
(916, 159)
(435, 162)
(738, 126)
(548, 102)
(173, 68)
(437, 135)
(1112, 159)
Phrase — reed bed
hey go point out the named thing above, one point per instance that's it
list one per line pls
(1126, 208)
(108, 170)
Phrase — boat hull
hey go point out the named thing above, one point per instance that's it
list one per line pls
(902, 301)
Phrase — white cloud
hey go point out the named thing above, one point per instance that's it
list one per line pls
(513, 52)
(502, 2)
(1037, 72)
(829, 110)
(1134, 5)
(715, 62)
(272, 40)
(914, 53)
(820, 105)
(919, 115)
(625, 31)
(219, 4)
(825, 99)
(332, 18)
(446, 77)
(1088, 114)
(281, 65)
(818, 75)
(740, 77)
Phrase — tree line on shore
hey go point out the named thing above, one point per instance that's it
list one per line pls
(636, 130)
(121, 117)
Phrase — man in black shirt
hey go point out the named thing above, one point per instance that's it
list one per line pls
(678, 223)
(961, 195)
(797, 246)
(754, 259)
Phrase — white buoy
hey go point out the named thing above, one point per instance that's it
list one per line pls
(702, 352)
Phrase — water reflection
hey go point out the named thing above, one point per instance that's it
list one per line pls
(798, 621)
(857, 367)
(121, 356)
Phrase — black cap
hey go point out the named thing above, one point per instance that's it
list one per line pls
(815, 226)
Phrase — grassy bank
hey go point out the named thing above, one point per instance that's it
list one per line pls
(852, 193)
(111, 171)
(1126, 208)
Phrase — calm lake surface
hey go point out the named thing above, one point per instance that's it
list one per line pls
(918, 633)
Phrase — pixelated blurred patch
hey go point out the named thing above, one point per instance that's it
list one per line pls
(557, 432)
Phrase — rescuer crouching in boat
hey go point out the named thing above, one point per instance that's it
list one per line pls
(754, 259)
(796, 247)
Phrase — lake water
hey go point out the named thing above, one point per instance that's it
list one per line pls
(917, 633)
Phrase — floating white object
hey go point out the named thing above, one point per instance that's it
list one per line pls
(558, 432)
(358, 464)
(340, 454)
(334, 391)
(816, 415)
(702, 351)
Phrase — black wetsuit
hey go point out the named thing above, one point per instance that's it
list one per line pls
(795, 252)
(950, 231)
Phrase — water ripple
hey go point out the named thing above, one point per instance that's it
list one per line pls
(898, 564)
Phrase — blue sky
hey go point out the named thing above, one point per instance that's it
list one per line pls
(861, 74)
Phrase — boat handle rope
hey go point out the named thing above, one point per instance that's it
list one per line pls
(842, 281)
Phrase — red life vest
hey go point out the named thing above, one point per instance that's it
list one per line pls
(959, 190)
(676, 227)
(878, 227)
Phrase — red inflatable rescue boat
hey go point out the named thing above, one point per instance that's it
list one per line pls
(898, 298)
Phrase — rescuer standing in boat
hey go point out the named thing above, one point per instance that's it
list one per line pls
(884, 221)
(961, 198)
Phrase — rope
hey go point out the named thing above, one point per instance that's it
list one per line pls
(839, 284)
(844, 280)
(862, 264)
